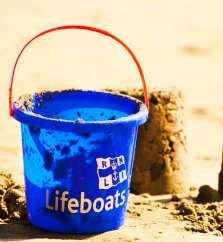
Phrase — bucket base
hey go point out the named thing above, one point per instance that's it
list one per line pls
(90, 229)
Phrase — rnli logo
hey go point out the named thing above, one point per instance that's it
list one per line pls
(111, 171)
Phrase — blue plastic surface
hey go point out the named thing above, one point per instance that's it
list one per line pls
(78, 150)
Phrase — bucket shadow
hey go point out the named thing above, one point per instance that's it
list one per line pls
(14, 231)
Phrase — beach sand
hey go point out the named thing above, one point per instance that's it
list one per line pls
(178, 43)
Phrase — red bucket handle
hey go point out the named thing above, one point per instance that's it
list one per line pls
(11, 111)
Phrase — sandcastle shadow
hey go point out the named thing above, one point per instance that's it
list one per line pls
(15, 231)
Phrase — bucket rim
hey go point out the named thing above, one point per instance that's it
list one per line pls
(25, 116)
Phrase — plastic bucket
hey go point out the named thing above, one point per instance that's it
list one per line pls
(78, 152)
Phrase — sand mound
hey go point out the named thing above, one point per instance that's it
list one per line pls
(202, 218)
(205, 215)
(12, 199)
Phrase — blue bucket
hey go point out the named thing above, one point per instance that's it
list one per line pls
(78, 152)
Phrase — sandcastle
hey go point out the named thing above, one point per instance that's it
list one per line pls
(160, 165)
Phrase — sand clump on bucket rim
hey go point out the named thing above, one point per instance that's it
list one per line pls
(25, 101)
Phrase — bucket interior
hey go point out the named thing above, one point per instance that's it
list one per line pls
(80, 105)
